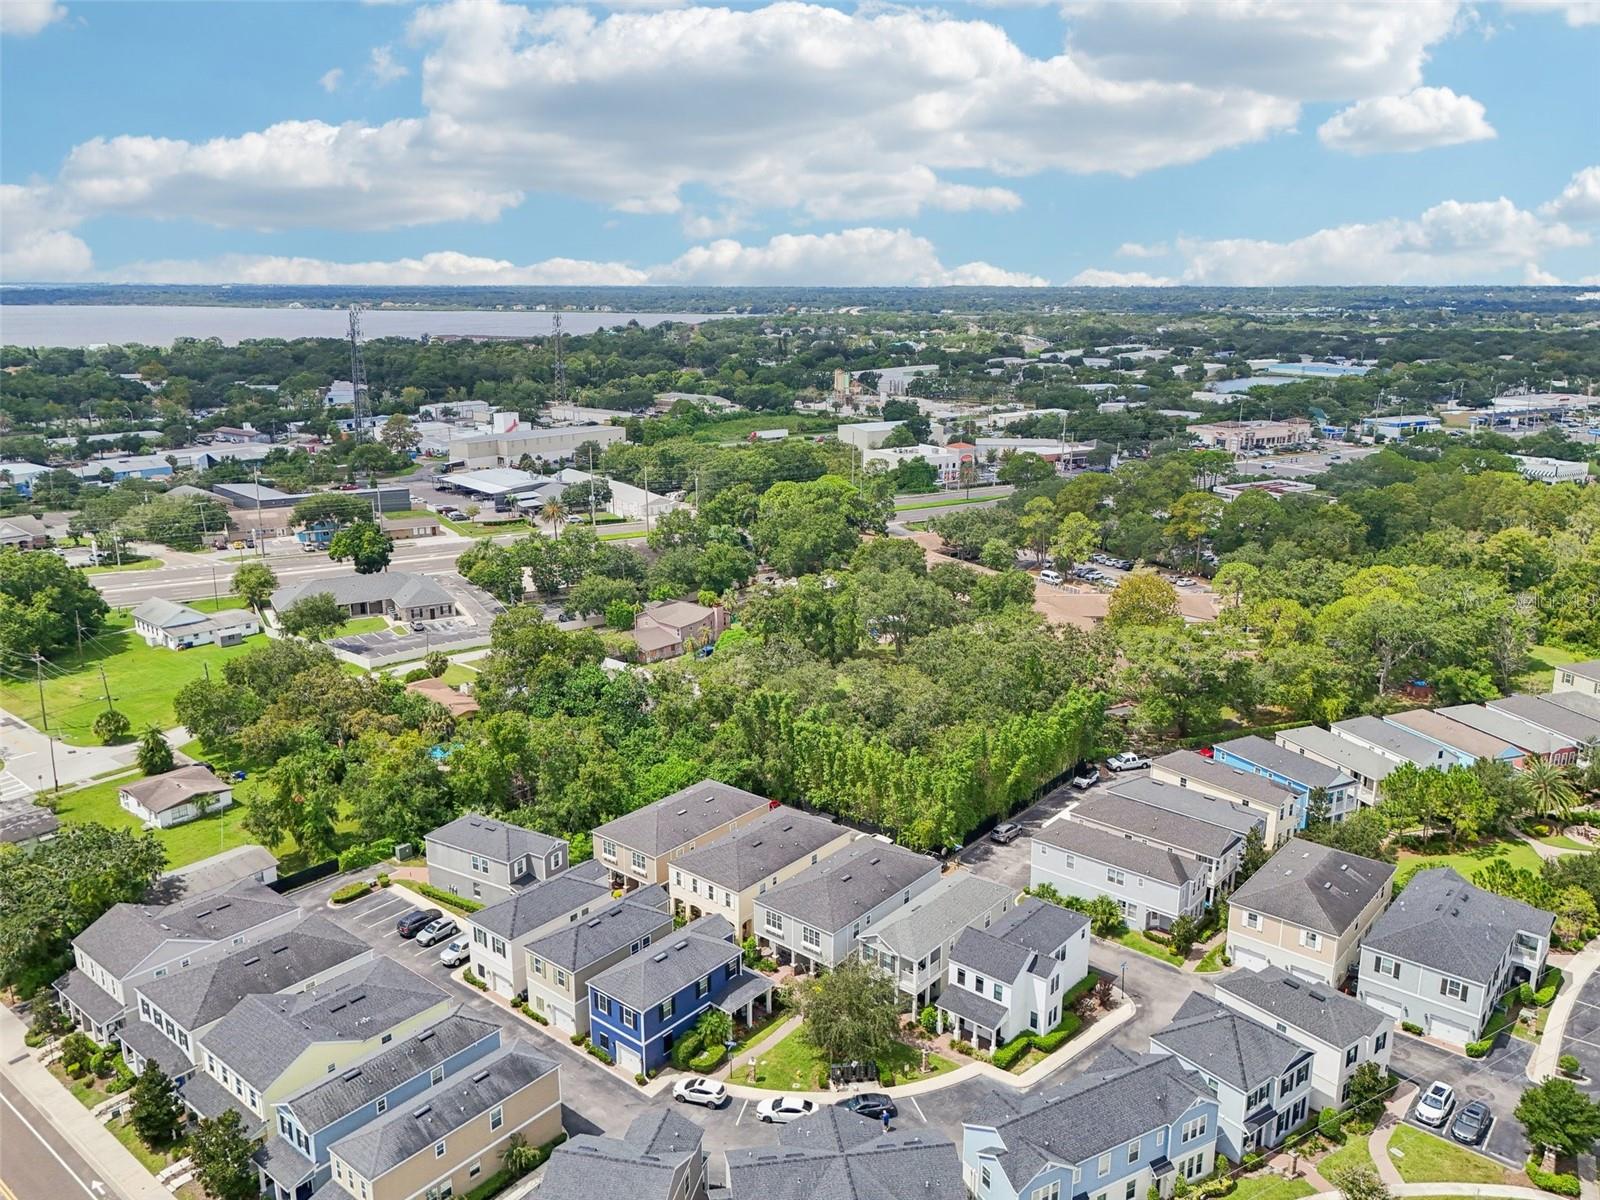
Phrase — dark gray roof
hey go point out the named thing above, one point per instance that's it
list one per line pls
(1022, 940)
(201, 994)
(1186, 802)
(1199, 769)
(642, 980)
(1509, 727)
(1311, 885)
(1403, 742)
(399, 587)
(835, 1155)
(764, 847)
(980, 1010)
(283, 1161)
(1120, 1097)
(1558, 717)
(327, 1100)
(1588, 669)
(1159, 826)
(620, 923)
(21, 820)
(493, 838)
(1285, 762)
(1226, 1044)
(126, 934)
(1115, 850)
(1443, 922)
(591, 869)
(538, 905)
(263, 1035)
(1314, 1008)
(145, 1040)
(937, 915)
(679, 818)
(1578, 702)
(83, 992)
(640, 1165)
(384, 1144)
(848, 883)
(210, 1099)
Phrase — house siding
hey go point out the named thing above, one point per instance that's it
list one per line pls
(452, 869)
(1146, 901)
(619, 856)
(648, 1037)
(567, 1008)
(1279, 942)
(838, 944)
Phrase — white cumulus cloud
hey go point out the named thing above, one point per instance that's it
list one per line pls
(1095, 277)
(1575, 12)
(1417, 120)
(1579, 200)
(24, 18)
(383, 66)
(331, 78)
(1142, 250)
(36, 242)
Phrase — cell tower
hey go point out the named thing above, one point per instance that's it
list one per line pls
(358, 373)
(561, 361)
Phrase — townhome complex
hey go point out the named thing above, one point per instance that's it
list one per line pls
(1152, 885)
(658, 1157)
(1279, 807)
(640, 846)
(561, 963)
(913, 943)
(834, 1153)
(1215, 848)
(500, 933)
(1013, 977)
(1446, 953)
(1298, 774)
(1306, 910)
(487, 859)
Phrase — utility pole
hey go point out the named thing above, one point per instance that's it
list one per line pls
(261, 541)
(358, 371)
(38, 665)
(78, 621)
(647, 502)
(105, 687)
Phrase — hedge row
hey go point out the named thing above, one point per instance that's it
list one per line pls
(351, 891)
(356, 857)
(1007, 1056)
(708, 1059)
(1544, 997)
(685, 1050)
(448, 899)
(1552, 1181)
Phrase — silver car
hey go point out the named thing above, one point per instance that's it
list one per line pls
(436, 931)
(457, 952)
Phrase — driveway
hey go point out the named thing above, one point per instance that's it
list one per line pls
(1497, 1080)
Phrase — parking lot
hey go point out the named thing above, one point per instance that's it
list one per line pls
(1298, 466)
(1497, 1080)
(440, 635)
(1582, 1039)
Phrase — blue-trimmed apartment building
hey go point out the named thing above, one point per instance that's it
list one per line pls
(1130, 1122)
(639, 1008)
(1290, 770)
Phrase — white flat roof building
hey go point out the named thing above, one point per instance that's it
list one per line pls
(1551, 470)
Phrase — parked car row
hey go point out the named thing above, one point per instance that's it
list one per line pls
(1435, 1105)
(1110, 560)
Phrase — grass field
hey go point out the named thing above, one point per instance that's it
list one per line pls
(363, 625)
(1213, 959)
(1542, 660)
(945, 502)
(154, 1161)
(1134, 940)
(138, 564)
(1424, 1158)
(142, 681)
(215, 604)
(741, 428)
(793, 1063)
(1271, 1187)
(1353, 1153)
(1514, 853)
(458, 673)
(1561, 841)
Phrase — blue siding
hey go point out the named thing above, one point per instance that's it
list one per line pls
(1299, 789)
(648, 1037)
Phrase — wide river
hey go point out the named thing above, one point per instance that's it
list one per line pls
(158, 325)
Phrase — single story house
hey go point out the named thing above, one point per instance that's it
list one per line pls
(490, 859)
(405, 528)
(1013, 977)
(180, 795)
(913, 943)
(458, 704)
(1152, 885)
(178, 627)
(640, 846)
(398, 595)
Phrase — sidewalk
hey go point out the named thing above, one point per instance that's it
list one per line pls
(99, 1147)
(1542, 1065)
(1378, 1141)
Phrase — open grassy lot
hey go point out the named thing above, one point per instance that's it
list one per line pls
(215, 604)
(141, 679)
(1513, 852)
(1271, 1187)
(127, 564)
(740, 428)
(1542, 660)
(1423, 1158)
(794, 1064)
(941, 502)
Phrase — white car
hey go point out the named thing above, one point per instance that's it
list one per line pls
(1050, 577)
(780, 1110)
(1436, 1103)
(699, 1091)
(1127, 761)
(456, 953)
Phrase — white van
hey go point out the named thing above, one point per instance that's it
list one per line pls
(1051, 577)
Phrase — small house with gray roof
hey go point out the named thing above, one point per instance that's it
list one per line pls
(1558, 719)
(398, 595)
(178, 627)
(500, 932)
(1445, 954)
(1152, 885)
(913, 943)
(1130, 1123)
(1306, 910)
(658, 1157)
(1013, 977)
(488, 859)
(1216, 848)
(176, 796)
(835, 1155)
(640, 846)
(1339, 1030)
(1261, 1078)
(1529, 738)
(817, 917)
(561, 963)
(726, 876)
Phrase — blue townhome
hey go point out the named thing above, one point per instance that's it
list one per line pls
(639, 1008)
(1289, 769)
(1130, 1122)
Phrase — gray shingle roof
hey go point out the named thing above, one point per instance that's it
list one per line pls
(1226, 1044)
(764, 847)
(283, 1161)
(591, 869)
(1017, 942)
(1562, 719)
(127, 933)
(1186, 802)
(980, 1010)
(848, 883)
(1316, 1009)
(1408, 745)
(1354, 759)
(1452, 733)
(1120, 1097)
(642, 980)
(1202, 770)
(201, 994)
(492, 838)
(218, 871)
(679, 818)
(1117, 851)
(22, 820)
(145, 1040)
(640, 1165)
(100, 1005)
(605, 930)
(327, 1100)
(1272, 757)
(543, 902)
(1442, 921)
(263, 1035)
(1578, 702)
(159, 793)
(1313, 886)
(404, 590)
(1589, 669)
(835, 1155)
(1509, 727)
(210, 1099)
(379, 1147)
(1158, 826)
(938, 914)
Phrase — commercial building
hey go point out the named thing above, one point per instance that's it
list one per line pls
(1396, 428)
(397, 595)
(1551, 470)
(507, 447)
(1237, 436)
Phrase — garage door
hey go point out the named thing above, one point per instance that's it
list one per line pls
(628, 1059)
(1250, 960)
(1389, 1008)
(1448, 1031)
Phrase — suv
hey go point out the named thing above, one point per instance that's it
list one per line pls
(410, 924)
(1436, 1103)
(1005, 832)
(1050, 577)
(1086, 780)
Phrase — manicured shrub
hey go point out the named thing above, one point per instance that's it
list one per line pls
(351, 891)
(448, 899)
(707, 1060)
(1330, 1124)
(1569, 1065)
(1008, 1055)
(640, 1078)
(928, 1018)
(1412, 1028)
(597, 1052)
(1060, 1035)
(1552, 1181)
(685, 1050)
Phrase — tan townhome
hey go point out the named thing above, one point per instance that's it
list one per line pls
(640, 846)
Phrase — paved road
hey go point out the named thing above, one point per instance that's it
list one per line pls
(36, 1163)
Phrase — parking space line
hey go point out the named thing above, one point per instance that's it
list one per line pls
(377, 913)
(1578, 1041)
(742, 1107)
(918, 1107)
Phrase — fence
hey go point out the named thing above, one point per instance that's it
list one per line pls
(299, 879)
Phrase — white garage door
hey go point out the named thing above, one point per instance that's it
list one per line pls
(1389, 1008)
(1250, 960)
(1448, 1031)
(628, 1059)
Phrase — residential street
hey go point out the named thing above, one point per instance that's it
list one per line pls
(36, 1163)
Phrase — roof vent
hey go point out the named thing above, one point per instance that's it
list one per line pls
(875, 860)
(252, 960)
(756, 843)
(424, 1035)
(480, 1077)
(198, 915)
(349, 1075)
(1292, 983)
(683, 945)
(662, 957)
(683, 812)
(279, 949)
(418, 1113)
(594, 924)
(337, 1007)
(224, 904)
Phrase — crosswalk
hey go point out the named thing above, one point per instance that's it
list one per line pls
(12, 788)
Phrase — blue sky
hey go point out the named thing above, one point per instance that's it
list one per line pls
(1087, 141)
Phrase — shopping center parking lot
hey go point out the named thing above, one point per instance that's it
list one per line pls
(1298, 466)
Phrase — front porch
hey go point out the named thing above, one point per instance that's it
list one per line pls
(970, 1017)
(739, 1000)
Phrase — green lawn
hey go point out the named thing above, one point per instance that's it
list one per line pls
(137, 564)
(83, 1090)
(1213, 959)
(1353, 1153)
(942, 503)
(154, 1161)
(758, 1031)
(1271, 1187)
(1514, 853)
(362, 625)
(794, 1064)
(458, 673)
(1427, 1159)
(1542, 660)
(1134, 940)
(213, 604)
(1561, 841)
(142, 681)
(740, 428)
(477, 529)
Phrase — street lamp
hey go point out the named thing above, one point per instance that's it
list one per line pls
(1124, 979)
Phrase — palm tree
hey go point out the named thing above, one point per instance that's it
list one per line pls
(553, 514)
(1549, 788)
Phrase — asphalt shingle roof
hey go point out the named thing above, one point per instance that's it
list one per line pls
(938, 914)
(210, 1099)
(1353, 759)
(384, 1144)
(980, 1010)
(1186, 802)
(540, 904)
(100, 1005)
(1408, 745)
(679, 818)
(218, 871)
(159, 793)
(848, 883)
(1158, 826)
(1117, 851)
(1316, 1009)
(605, 930)
(1509, 727)
(145, 1040)
(1285, 762)
(835, 1155)
(640, 1165)
(126, 934)
(1454, 734)
(397, 587)
(493, 839)
(1313, 886)
(1540, 711)
(642, 980)
(764, 847)
(1030, 932)
(1226, 1044)
(1234, 780)
(1443, 922)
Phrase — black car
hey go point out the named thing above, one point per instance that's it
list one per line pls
(871, 1105)
(412, 923)
(1005, 832)
(1471, 1123)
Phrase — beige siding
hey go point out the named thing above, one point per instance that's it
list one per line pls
(1281, 941)
(655, 869)
(741, 915)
